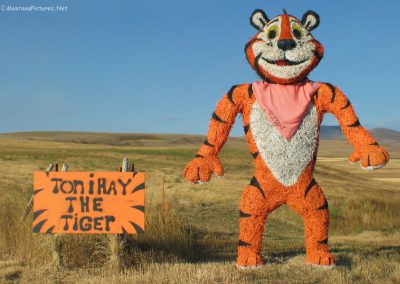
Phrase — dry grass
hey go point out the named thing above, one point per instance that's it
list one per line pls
(195, 242)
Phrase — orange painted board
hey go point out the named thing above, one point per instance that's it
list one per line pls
(88, 202)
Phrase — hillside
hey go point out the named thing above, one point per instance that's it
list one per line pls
(335, 133)
(192, 238)
(167, 140)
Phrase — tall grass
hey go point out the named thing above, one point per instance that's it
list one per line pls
(356, 215)
(17, 239)
(167, 238)
(196, 241)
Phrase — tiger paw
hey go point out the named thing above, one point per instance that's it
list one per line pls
(200, 169)
(248, 260)
(371, 158)
(321, 260)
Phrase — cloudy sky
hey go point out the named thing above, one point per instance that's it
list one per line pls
(161, 65)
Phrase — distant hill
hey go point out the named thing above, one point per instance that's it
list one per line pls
(116, 139)
(167, 140)
(331, 132)
(386, 134)
(335, 133)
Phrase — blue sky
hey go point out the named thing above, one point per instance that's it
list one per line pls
(161, 66)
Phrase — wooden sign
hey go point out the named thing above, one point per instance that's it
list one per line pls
(88, 202)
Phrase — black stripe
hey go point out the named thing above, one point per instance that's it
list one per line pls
(139, 207)
(37, 191)
(256, 65)
(347, 105)
(247, 45)
(208, 143)
(323, 242)
(368, 161)
(318, 55)
(250, 90)
(246, 128)
(243, 244)
(50, 230)
(198, 173)
(333, 90)
(38, 226)
(230, 94)
(243, 215)
(138, 229)
(124, 231)
(258, 70)
(273, 21)
(355, 124)
(139, 187)
(384, 157)
(217, 118)
(374, 144)
(254, 155)
(37, 213)
(324, 206)
(255, 183)
(312, 183)
(199, 156)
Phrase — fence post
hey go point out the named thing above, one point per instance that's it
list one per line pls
(117, 242)
(57, 237)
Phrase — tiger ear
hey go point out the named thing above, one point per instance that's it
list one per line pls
(258, 19)
(310, 20)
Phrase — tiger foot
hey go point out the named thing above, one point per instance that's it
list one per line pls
(325, 260)
(248, 261)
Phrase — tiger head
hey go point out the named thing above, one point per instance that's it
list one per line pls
(284, 51)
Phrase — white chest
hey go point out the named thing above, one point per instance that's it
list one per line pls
(286, 159)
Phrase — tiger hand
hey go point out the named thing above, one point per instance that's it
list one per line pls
(371, 157)
(200, 169)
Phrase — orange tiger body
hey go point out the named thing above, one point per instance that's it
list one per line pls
(276, 182)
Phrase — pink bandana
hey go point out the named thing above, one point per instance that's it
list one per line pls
(285, 105)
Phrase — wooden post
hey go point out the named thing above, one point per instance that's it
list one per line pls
(64, 168)
(116, 241)
(57, 237)
(125, 164)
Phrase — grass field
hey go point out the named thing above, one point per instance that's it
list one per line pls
(195, 241)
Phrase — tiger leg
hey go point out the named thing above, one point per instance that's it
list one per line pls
(309, 201)
(254, 208)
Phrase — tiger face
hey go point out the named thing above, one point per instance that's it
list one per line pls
(284, 51)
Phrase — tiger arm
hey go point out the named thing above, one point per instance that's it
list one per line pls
(206, 161)
(367, 150)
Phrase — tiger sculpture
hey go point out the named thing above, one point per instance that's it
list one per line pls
(282, 115)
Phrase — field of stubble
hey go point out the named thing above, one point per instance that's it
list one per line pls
(194, 240)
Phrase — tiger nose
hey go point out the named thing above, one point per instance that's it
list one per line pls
(286, 44)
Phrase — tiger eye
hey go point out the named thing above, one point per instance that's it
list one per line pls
(297, 33)
(271, 34)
